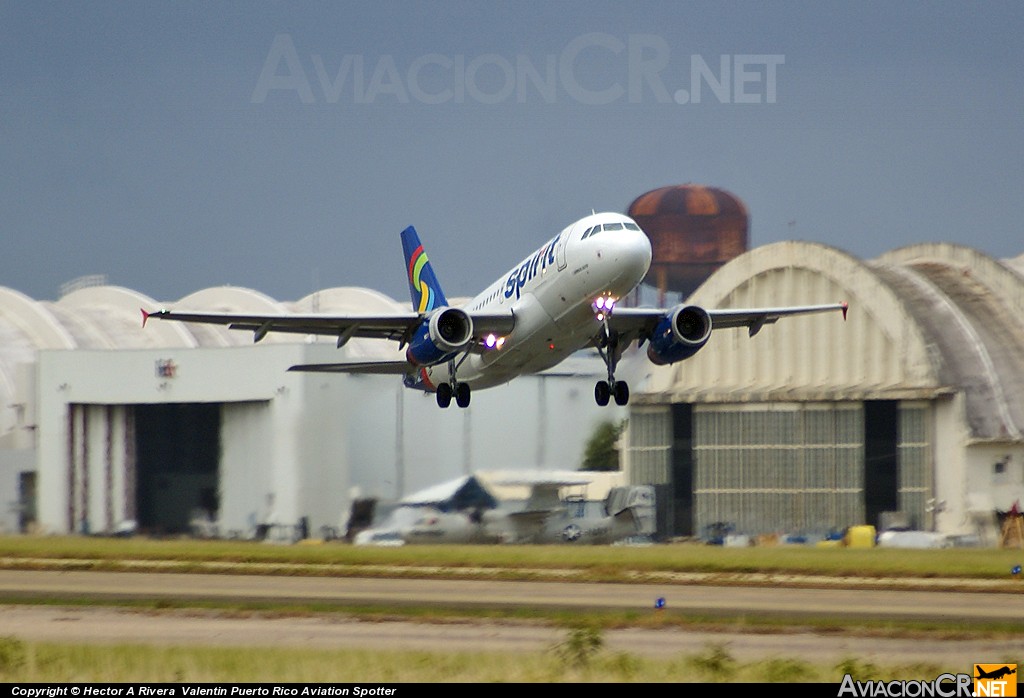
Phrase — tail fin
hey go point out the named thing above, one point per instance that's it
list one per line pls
(423, 285)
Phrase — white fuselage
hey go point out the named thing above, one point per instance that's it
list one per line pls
(551, 294)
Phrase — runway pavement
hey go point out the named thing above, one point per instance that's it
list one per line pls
(952, 606)
(108, 623)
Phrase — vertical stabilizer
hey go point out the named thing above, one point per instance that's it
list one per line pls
(423, 285)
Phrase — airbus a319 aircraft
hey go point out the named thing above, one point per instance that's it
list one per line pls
(562, 298)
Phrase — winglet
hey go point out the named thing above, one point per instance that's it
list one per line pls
(145, 316)
(424, 287)
(846, 307)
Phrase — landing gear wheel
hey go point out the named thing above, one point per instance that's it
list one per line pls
(444, 395)
(621, 391)
(602, 393)
(462, 394)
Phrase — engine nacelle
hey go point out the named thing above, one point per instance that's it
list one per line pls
(679, 335)
(440, 336)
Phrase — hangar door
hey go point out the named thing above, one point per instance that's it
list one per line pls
(177, 450)
(783, 467)
(156, 465)
(757, 468)
(779, 467)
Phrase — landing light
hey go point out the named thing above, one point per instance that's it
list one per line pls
(492, 341)
(604, 303)
(603, 306)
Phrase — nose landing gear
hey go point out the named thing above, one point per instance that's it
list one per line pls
(610, 351)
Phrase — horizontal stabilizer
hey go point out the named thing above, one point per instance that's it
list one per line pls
(379, 367)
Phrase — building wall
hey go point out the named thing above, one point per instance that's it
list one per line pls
(85, 437)
(246, 473)
(997, 468)
(968, 490)
(293, 446)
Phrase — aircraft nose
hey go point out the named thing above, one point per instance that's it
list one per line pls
(627, 256)
(636, 252)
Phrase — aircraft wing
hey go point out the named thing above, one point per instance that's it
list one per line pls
(398, 327)
(527, 526)
(376, 367)
(634, 322)
(392, 326)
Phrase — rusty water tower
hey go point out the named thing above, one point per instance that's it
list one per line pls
(694, 230)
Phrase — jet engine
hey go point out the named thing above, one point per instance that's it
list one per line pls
(679, 335)
(443, 333)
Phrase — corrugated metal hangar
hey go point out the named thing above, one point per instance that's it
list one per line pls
(912, 411)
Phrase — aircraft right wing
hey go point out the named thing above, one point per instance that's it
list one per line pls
(640, 321)
(394, 326)
(677, 333)
(375, 367)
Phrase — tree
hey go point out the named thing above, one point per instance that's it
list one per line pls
(602, 452)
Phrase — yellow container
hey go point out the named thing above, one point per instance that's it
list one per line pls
(859, 537)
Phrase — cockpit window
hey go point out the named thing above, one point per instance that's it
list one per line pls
(590, 232)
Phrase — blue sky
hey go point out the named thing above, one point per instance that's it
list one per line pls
(282, 146)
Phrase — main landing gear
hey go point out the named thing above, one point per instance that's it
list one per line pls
(453, 388)
(446, 391)
(604, 391)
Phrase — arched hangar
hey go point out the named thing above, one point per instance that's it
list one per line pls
(910, 413)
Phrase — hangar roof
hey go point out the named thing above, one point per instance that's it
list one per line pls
(108, 317)
(924, 320)
(970, 308)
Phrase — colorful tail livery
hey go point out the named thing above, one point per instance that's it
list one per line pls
(423, 285)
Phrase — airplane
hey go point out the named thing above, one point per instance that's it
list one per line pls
(558, 300)
(451, 512)
(549, 517)
(462, 511)
(995, 674)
